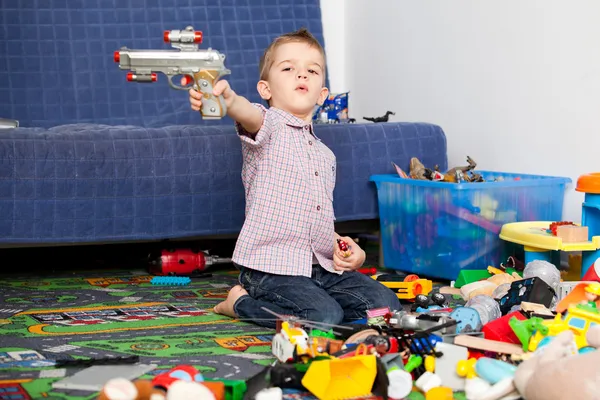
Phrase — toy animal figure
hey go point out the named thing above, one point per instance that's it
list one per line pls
(458, 174)
(557, 371)
(418, 170)
(385, 118)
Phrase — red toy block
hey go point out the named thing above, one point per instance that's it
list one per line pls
(500, 330)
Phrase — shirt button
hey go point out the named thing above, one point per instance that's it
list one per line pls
(318, 208)
(310, 142)
(306, 127)
(317, 173)
(333, 168)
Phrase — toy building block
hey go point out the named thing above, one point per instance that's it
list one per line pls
(171, 280)
(217, 388)
(500, 330)
(476, 343)
(406, 288)
(445, 366)
(572, 233)
(454, 291)
(532, 290)
(466, 276)
(539, 310)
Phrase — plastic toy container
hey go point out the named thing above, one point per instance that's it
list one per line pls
(435, 229)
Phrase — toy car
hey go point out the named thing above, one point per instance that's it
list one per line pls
(182, 372)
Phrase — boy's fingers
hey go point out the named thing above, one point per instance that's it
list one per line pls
(340, 262)
(196, 104)
(195, 94)
(222, 87)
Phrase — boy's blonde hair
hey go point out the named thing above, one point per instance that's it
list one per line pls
(302, 35)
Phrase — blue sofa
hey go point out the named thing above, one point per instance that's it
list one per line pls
(85, 183)
(99, 159)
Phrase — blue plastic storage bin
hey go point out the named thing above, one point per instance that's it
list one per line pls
(436, 229)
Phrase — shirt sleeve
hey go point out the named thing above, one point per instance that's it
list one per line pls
(260, 138)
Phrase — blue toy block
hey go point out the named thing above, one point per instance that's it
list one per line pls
(171, 280)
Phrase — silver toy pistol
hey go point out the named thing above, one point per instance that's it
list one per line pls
(203, 68)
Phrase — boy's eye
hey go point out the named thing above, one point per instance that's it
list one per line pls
(312, 71)
(287, 69)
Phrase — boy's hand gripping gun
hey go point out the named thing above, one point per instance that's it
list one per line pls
(203, 68)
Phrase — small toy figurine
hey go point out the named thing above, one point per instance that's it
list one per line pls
(592, 294)
(344, 248)
(385, 118)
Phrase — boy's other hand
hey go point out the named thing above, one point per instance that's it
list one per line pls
(221, 88)
(354, 261)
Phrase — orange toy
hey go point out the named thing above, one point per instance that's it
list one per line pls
(576, 296)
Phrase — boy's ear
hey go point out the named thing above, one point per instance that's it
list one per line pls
(263, 90)
(323, 96)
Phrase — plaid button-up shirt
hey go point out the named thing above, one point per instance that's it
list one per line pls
(289, 177)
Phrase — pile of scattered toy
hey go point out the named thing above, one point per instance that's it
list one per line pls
(517, 333)
(455, 175)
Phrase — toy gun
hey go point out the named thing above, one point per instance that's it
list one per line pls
(203, 68)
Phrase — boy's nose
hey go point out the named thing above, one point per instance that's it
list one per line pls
(302, 75)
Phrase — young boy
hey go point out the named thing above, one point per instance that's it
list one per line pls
(287, 250)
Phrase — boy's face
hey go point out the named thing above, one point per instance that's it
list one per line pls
(295, 80)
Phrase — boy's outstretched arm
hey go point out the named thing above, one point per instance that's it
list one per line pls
(238, 107)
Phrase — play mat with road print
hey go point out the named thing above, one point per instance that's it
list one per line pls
(119, 313)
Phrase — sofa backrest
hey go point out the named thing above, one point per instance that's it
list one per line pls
(59, 68)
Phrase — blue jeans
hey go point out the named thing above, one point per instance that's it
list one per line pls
(324, 297)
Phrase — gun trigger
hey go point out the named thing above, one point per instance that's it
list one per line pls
(174, 86)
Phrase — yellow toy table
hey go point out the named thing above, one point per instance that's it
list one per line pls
(539, 243)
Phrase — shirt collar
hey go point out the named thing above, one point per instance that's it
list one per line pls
(294, 121)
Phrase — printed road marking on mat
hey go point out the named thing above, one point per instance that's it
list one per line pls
(59, 310)
(53, 373)
(252, 356)
(130, 299)
(10, 310)
(39, 328)
(60, 349)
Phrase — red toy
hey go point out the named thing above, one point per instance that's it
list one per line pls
(182, 262)
(554, 226)
(182, 372)
(344, 247)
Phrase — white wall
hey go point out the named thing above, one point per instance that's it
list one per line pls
(333, 14)
(514, 84)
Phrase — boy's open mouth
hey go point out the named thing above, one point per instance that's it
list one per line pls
(302, 88)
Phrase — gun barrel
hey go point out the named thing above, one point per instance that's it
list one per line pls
(164, 59)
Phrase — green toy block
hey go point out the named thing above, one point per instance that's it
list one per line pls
(467, 276)
(234, 389)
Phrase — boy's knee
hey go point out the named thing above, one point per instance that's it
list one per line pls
(328, 313)
(386, 297)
